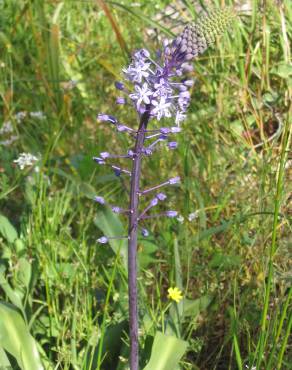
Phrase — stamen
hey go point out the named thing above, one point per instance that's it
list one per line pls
(153, 203)
(172, 181)
(106, 239)
(118, 170)
(107, 118)
(170, 214)
(122, 128)
(116, 209)
(105, 155)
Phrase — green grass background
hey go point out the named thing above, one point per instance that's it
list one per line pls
(65, 295)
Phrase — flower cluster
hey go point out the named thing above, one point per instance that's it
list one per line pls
(159, 84)
(25, 160)
(160, 90)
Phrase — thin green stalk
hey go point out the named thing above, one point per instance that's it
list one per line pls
(284, 344)
(279, 189)
(279, 329)
(100, 345)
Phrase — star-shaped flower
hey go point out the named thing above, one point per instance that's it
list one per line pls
(162, 88)
(175, 294)
(137, 71)
(161, 108)
(142, 94)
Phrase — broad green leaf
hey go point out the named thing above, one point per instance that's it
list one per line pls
(7, 230)
(16, 339)
(166, 352)
(283, 70)
(176, 310)
(15, 296)
(110, 225)
(24, 272)
(194, 307)
(4, 362)
(146, 253)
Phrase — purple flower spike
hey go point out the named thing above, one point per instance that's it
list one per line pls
(172, 145)
(159, 90)
(99, 200)
(161, 196)
(171, 214)
(122, 128)
(103, 240)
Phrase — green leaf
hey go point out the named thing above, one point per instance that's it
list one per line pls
(166, 352)
(224, 261)
(15, 296)
(24, 272)
(7, 230)
(4, 362)
(176, 309)
(283, 70)
(194, 307)
(146, 256)
(110, 225)
(16, 339)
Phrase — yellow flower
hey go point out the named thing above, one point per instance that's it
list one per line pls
(175, 294)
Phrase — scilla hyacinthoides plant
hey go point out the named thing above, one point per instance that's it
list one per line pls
(160, 90)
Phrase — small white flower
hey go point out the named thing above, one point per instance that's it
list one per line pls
(116, 297)
(193, 216)
(38, 115)
(180, 219)
(142, 95)
(25, 160)
(9, 141)
(161, 108)
(6, 128)
(20, 116)
(123, 359)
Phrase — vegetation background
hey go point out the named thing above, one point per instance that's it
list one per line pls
(63, 296)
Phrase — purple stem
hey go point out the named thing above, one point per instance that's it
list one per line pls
(132, 246)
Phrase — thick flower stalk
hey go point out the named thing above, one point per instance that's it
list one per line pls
(160, 91)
